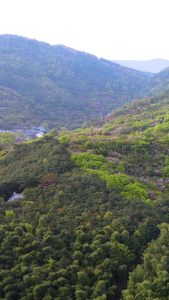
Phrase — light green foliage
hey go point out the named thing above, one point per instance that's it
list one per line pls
(64, 140)
(88, 160)
(97, 164)
(125, 252)
(29, 227)
(136, 191)
(53, 132)
(166, 168)
(51, 262)
(117, 181)
(9, 214)
(7, 138)
(2, 153)
(63, 128)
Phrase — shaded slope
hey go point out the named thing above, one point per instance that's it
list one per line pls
(59, 85)
(158, 83)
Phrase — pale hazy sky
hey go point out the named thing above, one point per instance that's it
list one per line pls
(112, 29)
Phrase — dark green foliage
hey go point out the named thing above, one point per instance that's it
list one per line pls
(92, 202)
(150, 280)
(42, 164)
(76, 233)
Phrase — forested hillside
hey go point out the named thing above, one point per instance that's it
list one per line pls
(159, 83)
(92, 222)
(56, 86)
(59, 86)
(93, 200)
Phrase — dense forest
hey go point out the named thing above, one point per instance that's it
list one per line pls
(93, 221)
(59, 86)
(56, 86)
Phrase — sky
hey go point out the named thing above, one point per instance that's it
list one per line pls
(111, 29)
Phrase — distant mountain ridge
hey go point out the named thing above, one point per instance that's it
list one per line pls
(152, 66)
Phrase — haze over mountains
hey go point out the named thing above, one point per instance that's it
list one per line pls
(152, 66)
(60, 86)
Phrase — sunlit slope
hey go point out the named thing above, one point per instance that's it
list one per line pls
(93, 199)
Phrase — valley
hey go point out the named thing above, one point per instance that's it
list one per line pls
(92, 218)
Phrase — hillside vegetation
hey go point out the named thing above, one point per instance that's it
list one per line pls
(93, 220)
(93, 200)
(60, 87)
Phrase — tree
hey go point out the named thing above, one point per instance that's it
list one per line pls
(80, 295)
